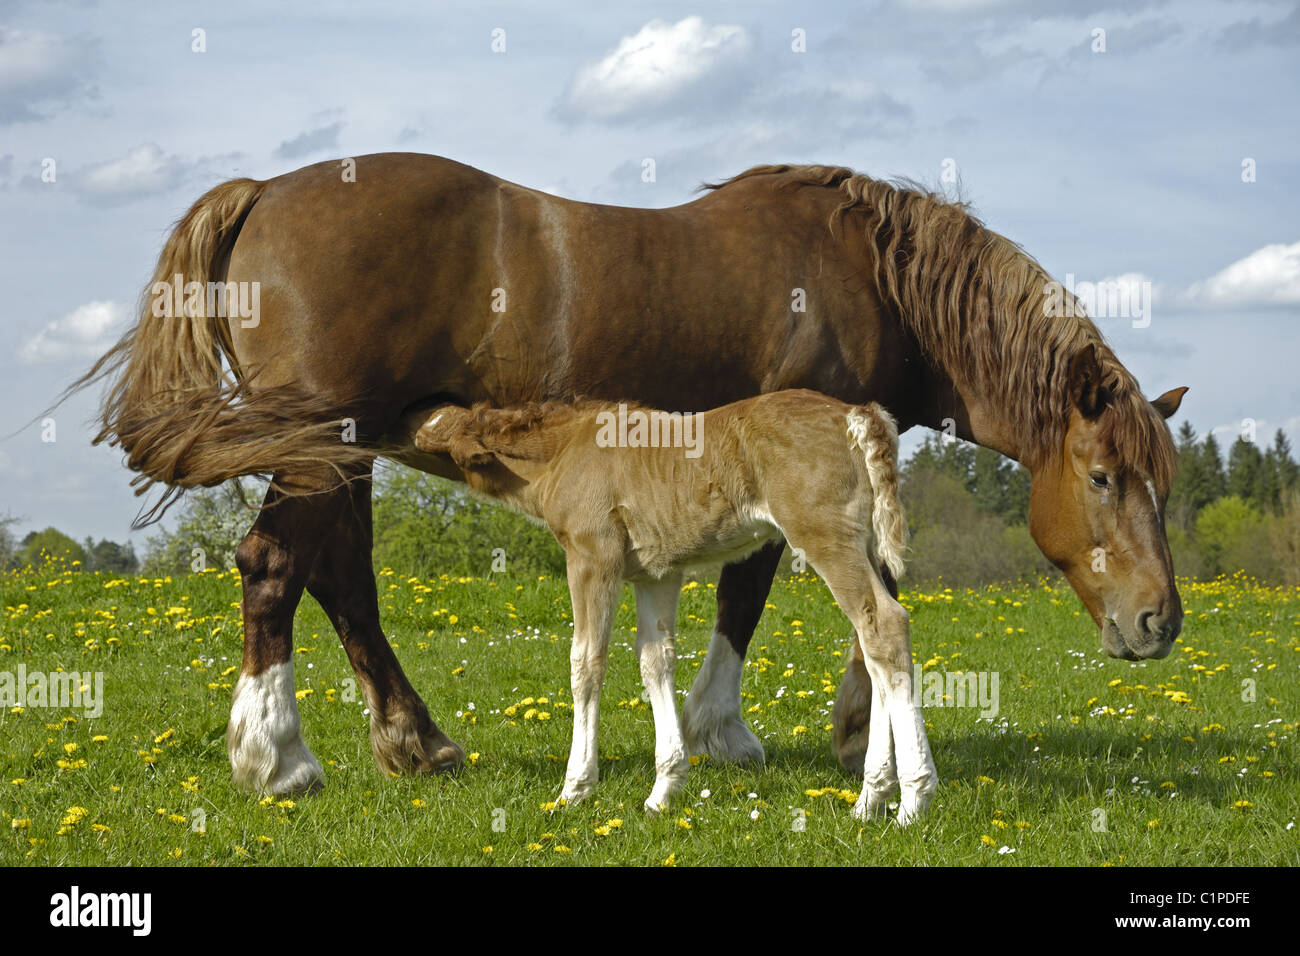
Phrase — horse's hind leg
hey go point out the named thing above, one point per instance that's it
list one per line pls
(711, 716)
(898, 752)
(264, 738)
(403, 737)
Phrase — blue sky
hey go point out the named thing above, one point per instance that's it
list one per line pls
(1124, 163)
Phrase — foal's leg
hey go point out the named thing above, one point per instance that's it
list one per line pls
(656, 633)
(594, 583)
(851, 716)
(403, 738)
(264, 738)
(898, 752)
(711, 716)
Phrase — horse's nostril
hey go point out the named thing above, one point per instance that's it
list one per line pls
(1155, 624)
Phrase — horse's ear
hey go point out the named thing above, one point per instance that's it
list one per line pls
(1168, 403)
(1086, 390)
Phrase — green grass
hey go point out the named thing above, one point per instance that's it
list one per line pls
(1186, 770)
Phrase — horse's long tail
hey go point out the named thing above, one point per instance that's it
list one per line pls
(874, 431)
(180, 417)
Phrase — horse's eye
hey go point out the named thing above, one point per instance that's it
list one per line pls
(1099, 480)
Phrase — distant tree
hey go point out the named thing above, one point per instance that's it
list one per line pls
(1233, 536)
(40, 547)
(1288, 471)
(1216, 484)
(1285, 532)
(956, 540)
(111, 557)
(944, 456)
(1192, 487)
(209, 528)
(426, 525)
(1278, 475)
(8, 544)
(1000, 486)
(1245, 467)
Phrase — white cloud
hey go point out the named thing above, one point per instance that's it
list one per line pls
(1267, 277)
(310, 141)
(40, 72)
(143, 171)
(1263, 429)
(660, 64)
(84, 333)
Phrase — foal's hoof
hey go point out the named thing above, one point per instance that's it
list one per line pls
(572, 795)
(867, 809)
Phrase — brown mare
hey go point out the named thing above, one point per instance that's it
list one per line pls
(420, 281)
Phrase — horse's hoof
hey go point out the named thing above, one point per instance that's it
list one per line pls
(403, 746)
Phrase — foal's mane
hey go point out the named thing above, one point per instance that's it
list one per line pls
(974, 300)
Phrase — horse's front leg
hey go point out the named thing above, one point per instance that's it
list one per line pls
(711, 716)
(594, 582)
(656, 617)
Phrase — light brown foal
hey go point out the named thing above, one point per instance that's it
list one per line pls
(643, 495)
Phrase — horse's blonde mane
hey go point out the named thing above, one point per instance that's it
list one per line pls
(974, 300)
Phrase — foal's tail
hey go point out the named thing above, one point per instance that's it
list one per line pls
(873, 430)
(183, 419)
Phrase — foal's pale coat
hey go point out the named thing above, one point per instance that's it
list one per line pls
(795, 464)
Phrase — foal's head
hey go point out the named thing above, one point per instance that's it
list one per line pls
(1096, 509)
(500, 450)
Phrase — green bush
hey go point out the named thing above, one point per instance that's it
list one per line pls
(428, 526)
(1232, 536)
(40, 547)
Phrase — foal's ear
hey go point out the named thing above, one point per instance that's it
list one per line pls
(468, 452)
(1086, 390)
(1168, 403)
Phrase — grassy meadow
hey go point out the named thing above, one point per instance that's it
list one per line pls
(1089, 760)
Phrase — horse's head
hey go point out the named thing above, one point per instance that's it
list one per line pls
(1098, 514)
